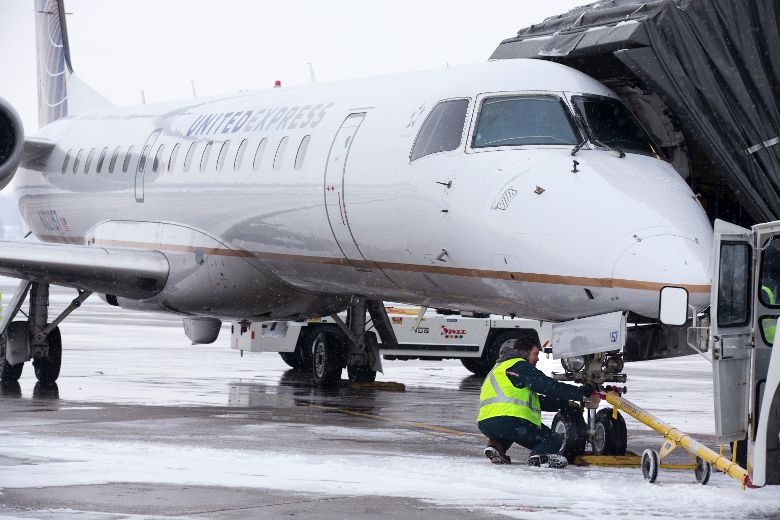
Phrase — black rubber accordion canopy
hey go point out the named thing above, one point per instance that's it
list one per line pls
(715, 63)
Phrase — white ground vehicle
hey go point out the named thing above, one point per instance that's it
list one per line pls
(475, 340)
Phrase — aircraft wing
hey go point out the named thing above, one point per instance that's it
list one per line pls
(122, 272)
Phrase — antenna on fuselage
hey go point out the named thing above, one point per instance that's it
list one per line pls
(311, 73)
(143, 97)
(194, 93)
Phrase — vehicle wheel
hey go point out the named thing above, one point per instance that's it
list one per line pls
(300, 358)
(361, 374)
(475, 366)
(650, 465)
(571, 425)
(702, 471)
(293, 359)
(741, 455)
(47, 369)
(610, 436)
(327, 359)
(483, 364)
(8, 373)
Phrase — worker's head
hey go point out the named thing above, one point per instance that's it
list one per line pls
(526, 347)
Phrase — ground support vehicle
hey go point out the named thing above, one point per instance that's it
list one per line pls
(421, 333)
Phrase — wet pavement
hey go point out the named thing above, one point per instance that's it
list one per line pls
(143, 425)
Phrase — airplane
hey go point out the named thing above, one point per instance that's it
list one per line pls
(515, 187)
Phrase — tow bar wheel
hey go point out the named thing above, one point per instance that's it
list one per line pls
(702, 471)
(650, 465)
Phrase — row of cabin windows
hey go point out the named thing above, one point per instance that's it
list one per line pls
(159, 162)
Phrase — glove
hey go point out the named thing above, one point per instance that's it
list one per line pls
(588, 389)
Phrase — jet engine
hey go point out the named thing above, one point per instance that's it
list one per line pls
(11, 142)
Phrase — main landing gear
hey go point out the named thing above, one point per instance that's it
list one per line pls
(328, 349)
(34, 339)
(605, 429)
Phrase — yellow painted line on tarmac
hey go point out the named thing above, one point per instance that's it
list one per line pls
(422, 426)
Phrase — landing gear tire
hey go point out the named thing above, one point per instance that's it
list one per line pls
(327, 359)
(47, 369)
(8, 373)
(361, 374)
(702, 471)
(483, 364)
(610, 436)
(571, 425)
(650, 465)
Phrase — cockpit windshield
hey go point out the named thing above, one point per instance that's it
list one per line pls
(610, 124)
(523, 120)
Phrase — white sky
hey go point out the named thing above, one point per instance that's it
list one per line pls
(121, 47)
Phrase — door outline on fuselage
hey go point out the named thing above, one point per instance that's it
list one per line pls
(333, 191)
(146, 153)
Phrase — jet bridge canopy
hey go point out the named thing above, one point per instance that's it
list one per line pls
(702, 75)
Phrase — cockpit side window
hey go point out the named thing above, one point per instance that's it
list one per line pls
(523, 120)
(442, 130)
(611, 124)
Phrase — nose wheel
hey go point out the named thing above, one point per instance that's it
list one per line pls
(609, 434)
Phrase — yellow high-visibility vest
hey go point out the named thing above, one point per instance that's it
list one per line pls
(500, 398)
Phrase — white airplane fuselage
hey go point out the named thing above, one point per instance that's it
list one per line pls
(504, 229)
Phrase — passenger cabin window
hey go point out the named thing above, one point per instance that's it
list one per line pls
(158, 158)
(240, 155)
(204, 159)
(144, 157)
(734, 285)
(523, 120)
(442, 130)
(66, 161)
(279, 157)
(174, 155)
(128, 157)
(101, 160)
(223, 151)
(88, 162)
(301, 155)
(259, 154)
(114, 157)
(610, 124)
(188, 157)
(77, 161)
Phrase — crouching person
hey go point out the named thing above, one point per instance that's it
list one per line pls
(511, 402)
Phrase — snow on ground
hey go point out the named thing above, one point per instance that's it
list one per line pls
(516, 490)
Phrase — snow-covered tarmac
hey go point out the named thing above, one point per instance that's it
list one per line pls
(142, 425)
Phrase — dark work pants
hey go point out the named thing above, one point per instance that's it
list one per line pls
(508, 430)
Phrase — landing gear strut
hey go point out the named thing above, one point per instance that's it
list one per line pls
(354, 346)
(35, 338)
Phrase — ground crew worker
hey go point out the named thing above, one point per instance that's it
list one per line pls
(511, 402)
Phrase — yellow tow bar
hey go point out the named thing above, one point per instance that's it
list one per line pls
(674, 438)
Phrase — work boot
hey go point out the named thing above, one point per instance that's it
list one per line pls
(495, 452)
(556, 461)
(538, 459)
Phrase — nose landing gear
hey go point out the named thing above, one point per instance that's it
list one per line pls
(604, 430)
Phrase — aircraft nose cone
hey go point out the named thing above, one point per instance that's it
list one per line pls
(657, 261)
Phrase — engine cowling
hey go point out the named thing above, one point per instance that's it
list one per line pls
(11, 142)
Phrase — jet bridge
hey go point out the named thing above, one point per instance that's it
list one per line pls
(702, 75)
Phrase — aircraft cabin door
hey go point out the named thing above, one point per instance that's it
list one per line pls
(731, 341)
(335, 198)
(147, 153)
